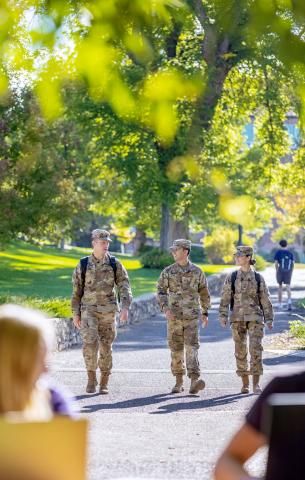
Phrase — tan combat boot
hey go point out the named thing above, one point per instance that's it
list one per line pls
(197, 384)
(245, 387)
(256, 388)
(104, 384)
(92, 381)
(178, 388)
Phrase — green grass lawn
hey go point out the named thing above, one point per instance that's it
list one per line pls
(27, 270)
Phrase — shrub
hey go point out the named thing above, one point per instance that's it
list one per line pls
(197, 254)
(145, 248)
(53, 307)
(301, 303)
(261, 263)
(297, 329)
(220, 245)
(155, 258)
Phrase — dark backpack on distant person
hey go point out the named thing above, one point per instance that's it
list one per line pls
(84, 265)
(233, 279)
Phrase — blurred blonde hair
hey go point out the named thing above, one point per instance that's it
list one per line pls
(23, 332)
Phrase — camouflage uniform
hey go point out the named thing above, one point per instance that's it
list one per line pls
(249, 314)
(184, 291)
(97, 306)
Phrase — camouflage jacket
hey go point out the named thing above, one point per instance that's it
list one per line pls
(183, 290)
(248, 305)
(99, 288)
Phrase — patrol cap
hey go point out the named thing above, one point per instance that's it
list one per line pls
(243, 250)
(99, 234)
(181, 243)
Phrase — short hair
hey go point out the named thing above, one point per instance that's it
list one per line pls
(283, 243)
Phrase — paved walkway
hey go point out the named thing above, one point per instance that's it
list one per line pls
(141, 430)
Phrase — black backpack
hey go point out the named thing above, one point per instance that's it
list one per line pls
(84, 265)
(233, 279)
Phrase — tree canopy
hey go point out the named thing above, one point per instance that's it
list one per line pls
(137, 110)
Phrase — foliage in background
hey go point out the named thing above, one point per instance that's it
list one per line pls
(297, 329)
(165, 88)
(261, 263)
(156, 258)
(41, 169)
(53, 307)
(220, 244)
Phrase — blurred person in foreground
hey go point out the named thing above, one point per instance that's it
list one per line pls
(26, 338)
(250, 437)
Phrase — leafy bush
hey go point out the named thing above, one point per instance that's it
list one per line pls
(220, 245)
(155, 258)
(301, 303)
(53, 307)
(297, 329)
(145, 248)
(197, 254)
(261, 263)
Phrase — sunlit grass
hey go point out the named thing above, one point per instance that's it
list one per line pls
(31, 271)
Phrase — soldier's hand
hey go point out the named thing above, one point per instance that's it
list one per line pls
(124, 316)
(223, 322)
(76, 321)
(169, 315)
(270, 325)
(204, 320)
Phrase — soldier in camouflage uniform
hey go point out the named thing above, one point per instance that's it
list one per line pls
(94, 307)
(184, 297)
(252, 309)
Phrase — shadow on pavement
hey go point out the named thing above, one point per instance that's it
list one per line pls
(211, 402)
(173, 407)
(87, 395)
(279, 359)
(133, 403)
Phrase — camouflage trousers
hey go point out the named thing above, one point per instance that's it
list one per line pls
(255, 331)
(98, 331)
(183, 339)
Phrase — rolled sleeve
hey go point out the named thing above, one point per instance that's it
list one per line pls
(123, 284)
(77, 291)
(205, 299)
(162, 291)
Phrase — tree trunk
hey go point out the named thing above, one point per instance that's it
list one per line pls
(171, 229)
(240, 235)
(139, 241)
(165, 234)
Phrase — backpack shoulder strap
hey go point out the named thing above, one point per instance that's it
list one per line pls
(83, 269)
(258, 281)
(233, 280)
(113, 265)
